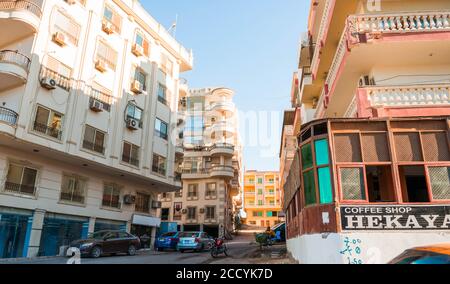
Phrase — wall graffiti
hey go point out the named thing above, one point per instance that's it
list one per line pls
(352, 251)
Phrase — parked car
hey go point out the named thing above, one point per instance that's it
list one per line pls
(106, 242)
(435, 254)
(167, 241)
(196, 241)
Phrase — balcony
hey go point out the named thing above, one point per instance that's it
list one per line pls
(222, 149)
(388, 35)
(14, 68)
(8, 120)
(395, 100)
(48, 130)
(195, 173)
(221, 171)
(226, 107)
(223, 129)
(18, 19)
(61, 81)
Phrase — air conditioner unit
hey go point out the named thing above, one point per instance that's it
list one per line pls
(137, 50)
(132, 124)
(156, 204)
(129, 199)
(184, 211)
(48, 83)
(107, 27)
(136, 87)
(100, 65)
(96, 105)
(202, 210)
(59, 38)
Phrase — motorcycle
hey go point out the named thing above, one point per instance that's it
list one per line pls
(219, 247)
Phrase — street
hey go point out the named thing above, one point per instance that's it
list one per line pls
(242, 250)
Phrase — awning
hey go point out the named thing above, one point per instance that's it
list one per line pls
(146, 221)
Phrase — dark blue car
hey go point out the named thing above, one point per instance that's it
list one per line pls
(167, 241)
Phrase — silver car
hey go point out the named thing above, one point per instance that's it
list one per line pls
(196, 241)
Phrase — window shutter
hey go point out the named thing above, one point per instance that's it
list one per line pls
(146, 46)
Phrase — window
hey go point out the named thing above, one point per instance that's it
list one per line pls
(193, 191)
(165, 214)
(66, 25)
(162, 94)
(210, 212)
(258, 214)
(260, 191)
(111, 196)
(159, 164)
(260, 180)
(141, 41)
(414, 184)
(142, 203)
(57, 71)
(110, 16)
(352, 184)
(134, 112)
(72, 189)
(177, 211)
(140, 76)
(308, 175)
(192, 213)
(179, 193)
(161, 129)
(21, 179)
(130, 154)
(106, 54)
(48, 122)
(94, 139)
(323, 171)
(379, 184)
(211, 190)
(440, 182)
(260, 202)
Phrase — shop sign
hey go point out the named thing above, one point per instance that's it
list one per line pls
(395, 218)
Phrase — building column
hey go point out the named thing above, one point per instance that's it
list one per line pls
(91, 228)
(36, 232)
(128, 226)
(202, 227)
(153, 237)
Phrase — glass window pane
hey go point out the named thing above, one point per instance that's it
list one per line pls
(440, 182)
(14, 174)
(29, 177)
(322, 155)
(42, 115)
(310, 188)
(307, 159)
(89, 134)
(325, 189)
(352, 183)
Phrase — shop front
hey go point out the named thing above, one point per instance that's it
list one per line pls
(144, 227)
(365, 190)
(15, 229)
(59, 231)
(103, 225)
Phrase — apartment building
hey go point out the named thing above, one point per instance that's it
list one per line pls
(262, 198)
(371, 177)
(88, 91)
(211, 168)
(288, 149)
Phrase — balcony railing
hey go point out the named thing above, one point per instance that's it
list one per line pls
(222, 146)
(400, 23)
(8, 116)
(48, 130)
(21, 5)
(161, 135)
(103, 97)
(352, 109)
(20, 188)
(63, 82)
(159, 170)
(328, 9)
(395, 96)
(130, 160)
(116, 204)
(72, 197)
(14, 57)
(93, 147)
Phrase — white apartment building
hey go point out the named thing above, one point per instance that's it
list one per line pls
(212, 164)
(88, 93)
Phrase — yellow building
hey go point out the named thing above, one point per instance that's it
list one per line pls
(262, 198)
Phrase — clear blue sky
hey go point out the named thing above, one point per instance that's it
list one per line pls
(249, 46)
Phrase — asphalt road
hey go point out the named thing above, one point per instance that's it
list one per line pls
(239, 250)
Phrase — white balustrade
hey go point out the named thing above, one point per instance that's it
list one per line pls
(409, 96)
